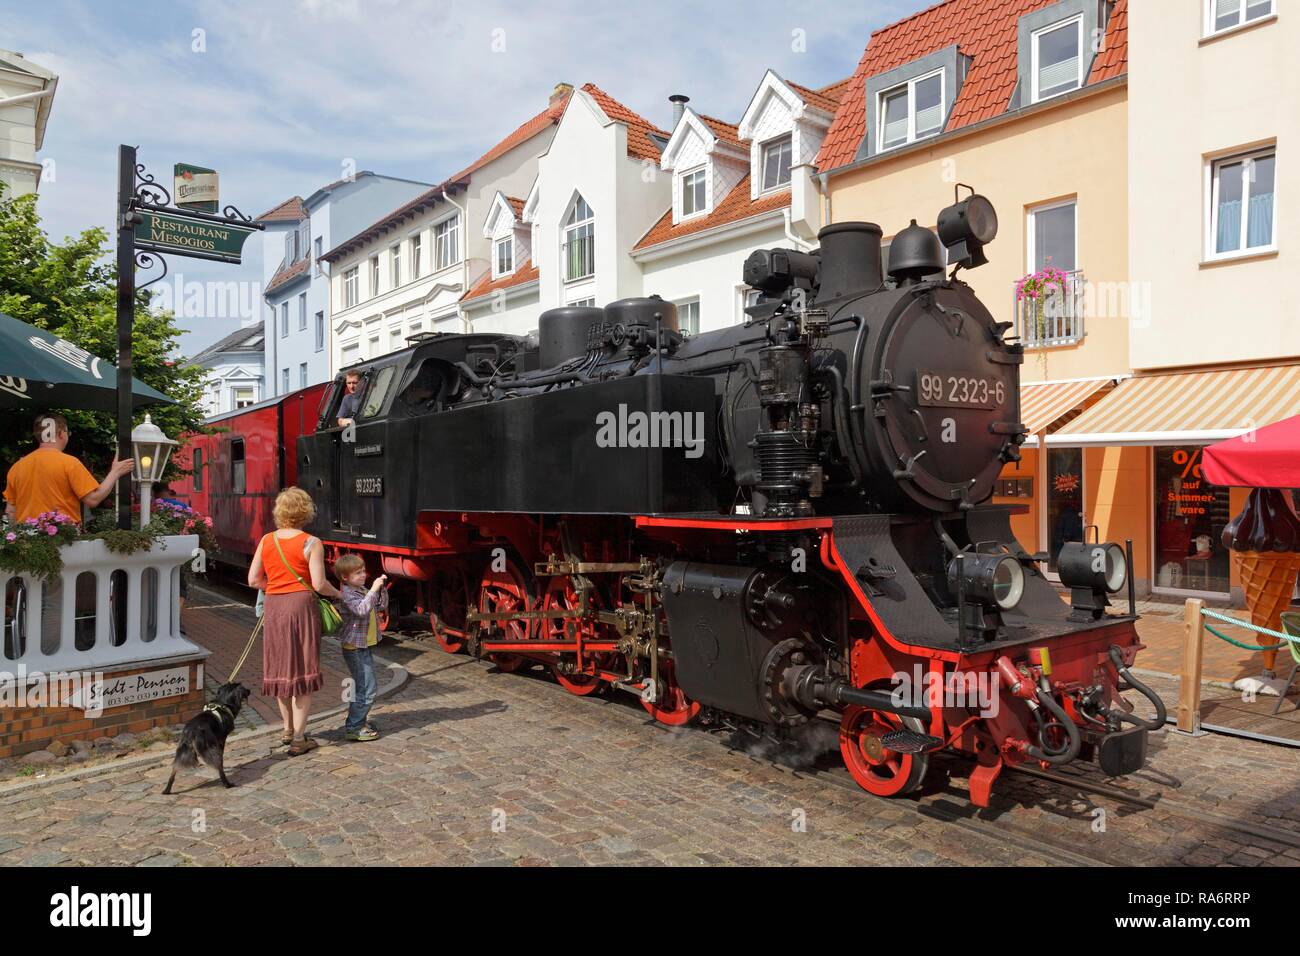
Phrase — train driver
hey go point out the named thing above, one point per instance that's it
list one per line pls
(351, 398)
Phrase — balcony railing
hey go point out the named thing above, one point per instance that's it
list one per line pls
(1056, 318)
(579, 258)
(103, 610)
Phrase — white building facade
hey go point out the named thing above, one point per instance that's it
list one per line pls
(735, 188)
(26, 96)
(407, 272)
(296, 291)
(236, 371)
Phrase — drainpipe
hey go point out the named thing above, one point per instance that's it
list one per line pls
(466, 327)
(801, 244)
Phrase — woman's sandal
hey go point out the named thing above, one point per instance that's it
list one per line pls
(286, 739)
(300, 747)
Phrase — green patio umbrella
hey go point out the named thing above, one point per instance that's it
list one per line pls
(39, 370)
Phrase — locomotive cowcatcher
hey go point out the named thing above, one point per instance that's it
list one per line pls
(761, 526)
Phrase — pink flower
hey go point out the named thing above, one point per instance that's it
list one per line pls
(51, 530)
(208, 522)
(11, 536)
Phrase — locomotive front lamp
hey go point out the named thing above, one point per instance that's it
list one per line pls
(985, 585)
(1091, 572)
(151, 449)
(965, 228)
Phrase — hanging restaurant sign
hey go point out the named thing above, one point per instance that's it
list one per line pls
(200, 238)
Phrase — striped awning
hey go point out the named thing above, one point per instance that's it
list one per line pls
(1187, 407)
(1042, 403)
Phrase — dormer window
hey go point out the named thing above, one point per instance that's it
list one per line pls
(504, 261)
(694, 196)
(776, 162)
(1058, 59)
(911, 111)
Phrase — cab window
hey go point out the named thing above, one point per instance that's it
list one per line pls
(378, 391)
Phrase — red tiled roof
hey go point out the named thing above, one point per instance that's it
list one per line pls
(735, 206)
(517, 205)
(837, 89)
(823, 99)
(639, 143)
(287, 275)
(986, 31)
(729, 133)
(526, 272)
(291, 208)
(1112, 61)
(429, 197)
(547, 117)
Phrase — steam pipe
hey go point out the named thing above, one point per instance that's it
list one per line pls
(1161, 711)
(813, 687)
(1048, 703)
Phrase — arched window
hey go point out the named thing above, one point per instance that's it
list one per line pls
(579, 253)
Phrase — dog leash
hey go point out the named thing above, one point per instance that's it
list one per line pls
(252, 639)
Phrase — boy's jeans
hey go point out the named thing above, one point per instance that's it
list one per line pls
(361, 665)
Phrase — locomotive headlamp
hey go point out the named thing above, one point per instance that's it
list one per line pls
(965, 228)
(1091, 571)
(995, 580)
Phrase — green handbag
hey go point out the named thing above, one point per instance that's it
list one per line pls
(330, 618)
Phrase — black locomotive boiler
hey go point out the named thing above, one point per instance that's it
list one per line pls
(759, 525)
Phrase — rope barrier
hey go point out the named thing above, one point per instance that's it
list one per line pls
(1246, 625)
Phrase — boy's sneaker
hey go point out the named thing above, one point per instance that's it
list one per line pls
(365, 733)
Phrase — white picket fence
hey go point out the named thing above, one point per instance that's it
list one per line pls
(104, 610)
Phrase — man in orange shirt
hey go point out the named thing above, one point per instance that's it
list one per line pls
(47, 479)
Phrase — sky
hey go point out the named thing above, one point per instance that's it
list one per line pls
(281, 95)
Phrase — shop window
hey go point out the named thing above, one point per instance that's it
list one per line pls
(1065, 516)
(1189, 516)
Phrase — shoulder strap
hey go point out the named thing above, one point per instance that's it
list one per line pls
(287, 564)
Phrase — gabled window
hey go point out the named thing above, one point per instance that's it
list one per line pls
(776, 162)
(1221, 15)
(416, 243)
(374, 276)
(910, 111)
(694, 192)
(1241, 204)
(396, 260)
(350, 288)
(503, 262)
(446, 242)
(1057, 59)
(579, 241)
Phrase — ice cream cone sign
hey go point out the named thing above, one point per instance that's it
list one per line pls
(1265, 540)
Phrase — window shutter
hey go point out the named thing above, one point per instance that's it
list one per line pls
(1058, 74)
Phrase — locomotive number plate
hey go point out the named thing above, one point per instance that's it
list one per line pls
(370, 486)
(958, 389)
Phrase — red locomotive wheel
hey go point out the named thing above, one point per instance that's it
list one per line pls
(673, 707)
(502, 591)
(876, 768)
(562, 595)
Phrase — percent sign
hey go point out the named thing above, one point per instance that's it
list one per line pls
(1191, 462)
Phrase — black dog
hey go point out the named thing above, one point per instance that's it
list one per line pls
(204, 737)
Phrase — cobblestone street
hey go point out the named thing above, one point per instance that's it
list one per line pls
(478, 767)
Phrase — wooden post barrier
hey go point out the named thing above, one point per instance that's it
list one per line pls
(1189, 682)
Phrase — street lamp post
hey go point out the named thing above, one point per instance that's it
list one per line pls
(151, 450)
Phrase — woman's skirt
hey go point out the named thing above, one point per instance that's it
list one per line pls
(291, 645)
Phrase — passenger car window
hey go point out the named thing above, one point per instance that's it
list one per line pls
(378, 391)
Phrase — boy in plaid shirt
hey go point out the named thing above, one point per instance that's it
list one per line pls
(359, 633)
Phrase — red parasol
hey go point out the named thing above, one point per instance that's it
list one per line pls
(1267, 457)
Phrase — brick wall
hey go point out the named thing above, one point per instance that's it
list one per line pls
(26, 729)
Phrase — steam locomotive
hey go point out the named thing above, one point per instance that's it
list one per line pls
(759, 526)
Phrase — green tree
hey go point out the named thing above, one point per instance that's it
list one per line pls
(70, 289)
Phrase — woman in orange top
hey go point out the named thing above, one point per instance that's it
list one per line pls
(285, 560)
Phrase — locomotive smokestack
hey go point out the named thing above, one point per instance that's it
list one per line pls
(679, 101)
(850, 259)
